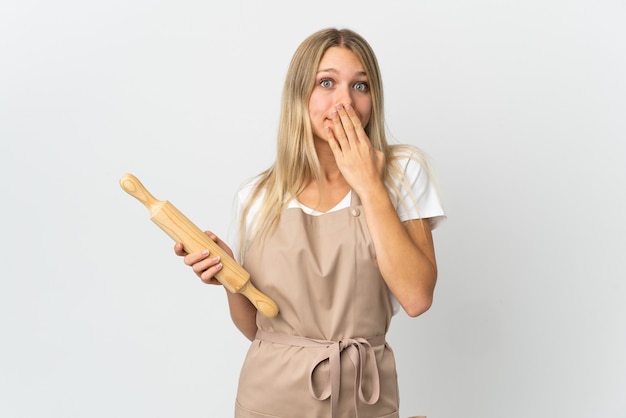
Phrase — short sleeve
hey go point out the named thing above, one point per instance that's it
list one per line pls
(419, 197)
(240, 199)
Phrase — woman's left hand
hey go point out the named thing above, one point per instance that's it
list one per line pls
(359, 162)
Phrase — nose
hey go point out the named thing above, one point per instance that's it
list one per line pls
(343, 95)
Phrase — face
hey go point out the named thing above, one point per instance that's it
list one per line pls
(340, 79)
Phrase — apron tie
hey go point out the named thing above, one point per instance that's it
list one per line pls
(361, 354)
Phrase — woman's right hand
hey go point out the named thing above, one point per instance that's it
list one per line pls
(204, 264)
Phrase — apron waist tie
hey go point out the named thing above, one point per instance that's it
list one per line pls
(360, 351)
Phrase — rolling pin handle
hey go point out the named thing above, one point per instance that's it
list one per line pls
(133, 187)
(261, 302)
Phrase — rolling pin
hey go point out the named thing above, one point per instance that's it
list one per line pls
(234, 277)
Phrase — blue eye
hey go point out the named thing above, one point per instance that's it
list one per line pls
(326, 83)
(362, 87)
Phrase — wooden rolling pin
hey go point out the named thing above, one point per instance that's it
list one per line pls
(234, 277)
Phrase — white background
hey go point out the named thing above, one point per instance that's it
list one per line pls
(521, 106)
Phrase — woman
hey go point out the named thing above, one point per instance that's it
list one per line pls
(338, 232)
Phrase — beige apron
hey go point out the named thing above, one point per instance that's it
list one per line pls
(325, 354)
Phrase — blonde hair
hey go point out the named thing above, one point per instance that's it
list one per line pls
(296, 162)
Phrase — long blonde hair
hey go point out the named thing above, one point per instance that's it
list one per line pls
(296, 163)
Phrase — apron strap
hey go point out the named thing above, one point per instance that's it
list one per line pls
(361, 354)
(355, 200)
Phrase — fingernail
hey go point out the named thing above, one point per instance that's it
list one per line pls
(338, 106)
(205, 252)
(219, 266)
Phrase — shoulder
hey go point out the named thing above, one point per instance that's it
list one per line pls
(409, 163)
(247, 190)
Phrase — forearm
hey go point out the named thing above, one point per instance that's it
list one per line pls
(404, 252)
(243, 314)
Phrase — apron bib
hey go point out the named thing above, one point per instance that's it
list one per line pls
(324, 354)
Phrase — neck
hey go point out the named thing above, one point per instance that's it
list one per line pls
(330, 188)
(330, 174)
